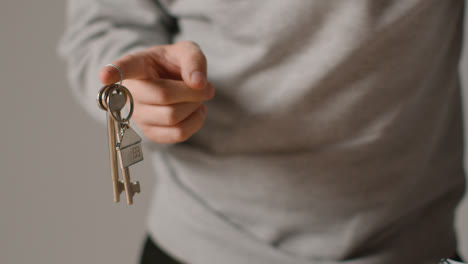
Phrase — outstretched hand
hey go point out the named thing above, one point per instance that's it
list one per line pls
(168, 84)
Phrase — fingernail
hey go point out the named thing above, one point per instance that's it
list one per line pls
(209, 91)
(198, 78)
(203, 110)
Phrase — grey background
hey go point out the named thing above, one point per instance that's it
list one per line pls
(55, 189)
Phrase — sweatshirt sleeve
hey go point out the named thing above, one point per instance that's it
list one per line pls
(100, 31)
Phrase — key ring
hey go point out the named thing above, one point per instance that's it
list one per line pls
(100, 98)
(120, 71)
(109, 89)
(104, 92)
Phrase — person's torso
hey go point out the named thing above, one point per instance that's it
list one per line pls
(336, 125)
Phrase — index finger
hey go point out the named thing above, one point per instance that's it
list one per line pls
(132, 66)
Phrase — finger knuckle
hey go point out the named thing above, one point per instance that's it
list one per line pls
(162, 96)
(127, 58)
(171, 117)
(180, 134)
(199, 57)
(150, 66)
(189, 44)
(194, 50)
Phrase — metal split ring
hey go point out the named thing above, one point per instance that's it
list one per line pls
(104, 92)
(103, 99)
(120, 71)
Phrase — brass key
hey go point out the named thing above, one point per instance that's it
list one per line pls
(128, 152)
(124, 142)
(117, 103)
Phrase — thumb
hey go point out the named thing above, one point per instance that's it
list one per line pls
(193, 65)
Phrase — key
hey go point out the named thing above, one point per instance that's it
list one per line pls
(117, 102)
(128, 143)
(101, 99)
(128, 152)
(124, 143)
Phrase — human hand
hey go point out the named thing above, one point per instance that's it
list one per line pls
(168, 84)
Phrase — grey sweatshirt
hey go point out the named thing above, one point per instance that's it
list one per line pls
(335, 135)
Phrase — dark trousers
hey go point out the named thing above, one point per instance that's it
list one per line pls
(152, 254)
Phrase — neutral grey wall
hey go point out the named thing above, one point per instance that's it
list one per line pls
(55, 189)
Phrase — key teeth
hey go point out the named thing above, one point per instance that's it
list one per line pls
(136, 187)
(121, 187)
